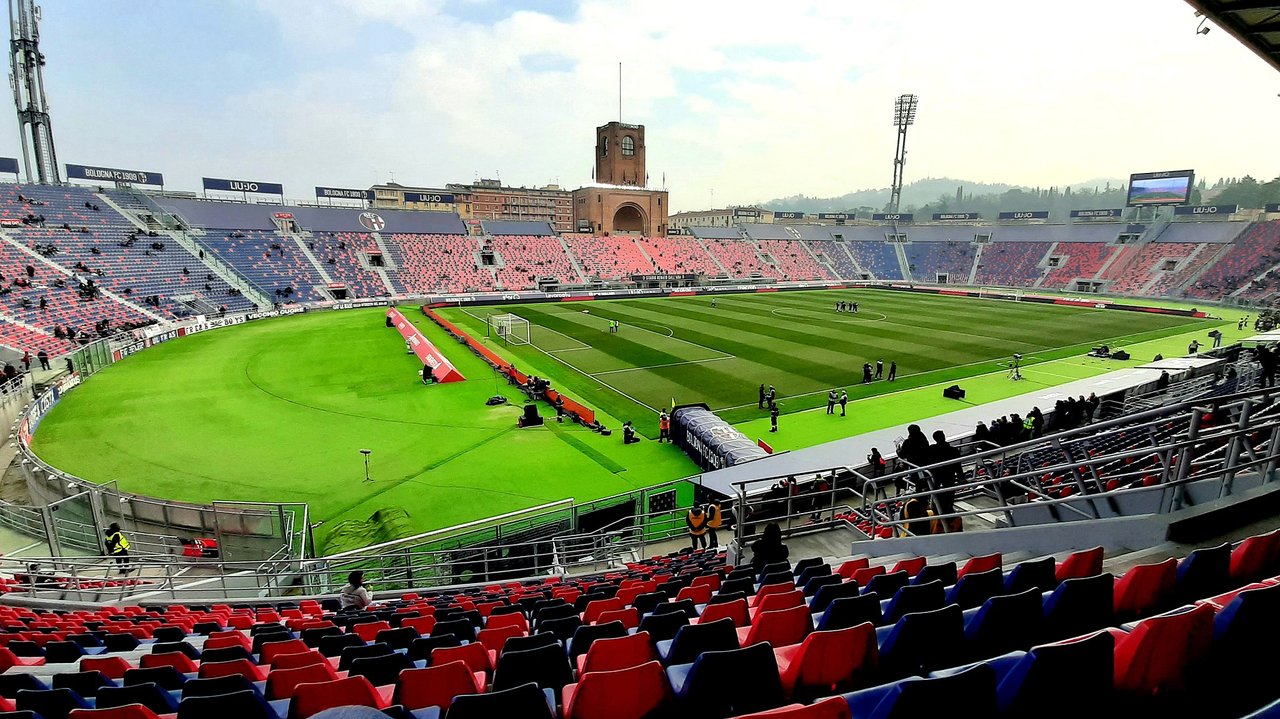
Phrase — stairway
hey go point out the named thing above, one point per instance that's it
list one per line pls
(645, 252)
(977, 262)
(844, 247)
(577, 266)
(1044, 271)
(901, 251)
(389, 264)
(714, 259)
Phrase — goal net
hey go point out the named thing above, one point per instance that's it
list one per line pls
(510, 328)
(1000, 292)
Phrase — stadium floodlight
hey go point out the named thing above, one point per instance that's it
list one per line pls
(904, 110)
(904, 116)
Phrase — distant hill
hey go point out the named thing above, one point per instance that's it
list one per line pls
(916, 194)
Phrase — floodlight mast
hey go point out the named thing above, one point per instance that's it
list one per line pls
(904, 116)
(27, 78)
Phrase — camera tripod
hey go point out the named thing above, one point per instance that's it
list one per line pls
(1015, 369)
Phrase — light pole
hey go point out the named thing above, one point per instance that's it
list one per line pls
(904, 116)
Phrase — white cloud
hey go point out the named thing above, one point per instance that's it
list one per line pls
(754, 100)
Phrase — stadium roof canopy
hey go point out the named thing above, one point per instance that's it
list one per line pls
(1256, 23)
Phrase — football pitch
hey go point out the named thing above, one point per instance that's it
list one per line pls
(683, 349)
(277, 410)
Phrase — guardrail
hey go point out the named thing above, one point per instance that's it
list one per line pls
(1169, 449)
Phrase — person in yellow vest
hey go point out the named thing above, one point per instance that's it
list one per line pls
(696, 520)
(118, 547)
(714, 519)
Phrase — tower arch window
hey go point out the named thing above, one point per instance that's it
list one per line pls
(604, 145)
(628, 146)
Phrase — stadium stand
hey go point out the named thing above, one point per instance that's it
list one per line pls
(613, 257)
(526, 258)
(1135, 635)
(123, 260)
(740, 258)
(929, 260)
(835, 257)
(28, 282)
(1255, 250)
(794, 260)
(680, 255)
(437, 263)
(1077, 260)
(344, 256)
(1013, 264)
(272, 262)
(1146, 265)
(878, 258)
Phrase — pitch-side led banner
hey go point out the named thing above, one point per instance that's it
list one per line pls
(113, 174)
(1205, 209)
(441, 368)
(262, 188)
(9, 165)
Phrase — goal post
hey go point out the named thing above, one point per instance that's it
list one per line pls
(512, 329)
(1008, 293)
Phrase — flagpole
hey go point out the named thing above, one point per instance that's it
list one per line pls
(619, 93)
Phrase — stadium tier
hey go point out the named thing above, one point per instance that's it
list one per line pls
(526, 259)
(610, 258)
(740, 258)
(689, 635)
(223, 256)
(795, 261)
(438, 263)
(948, 261)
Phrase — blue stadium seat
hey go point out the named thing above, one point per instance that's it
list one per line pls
(1078, 606)
(694, 639)
(1203, 573)
(975, 588)
(1004, 623)
(148, 695)
(913, 598)
(1039, 574)
(50, 703)
(922, 642)
(702, 689)
(240, 705)
(826, 594)
(971, 692)
(847, 612)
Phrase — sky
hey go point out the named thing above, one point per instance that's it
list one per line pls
(742, 101)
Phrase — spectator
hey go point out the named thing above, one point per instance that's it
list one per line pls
(117, 547)
(769, 548)
(696, 521)
(355, 595)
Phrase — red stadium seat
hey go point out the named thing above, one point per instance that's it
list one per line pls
(367, 631)
(1144, 588)
(295, 660)
(779, 628)
(736, 610)
(595, 608)
(243, 667)
(827, 661)
(282, 682)
(847, 569)
(829, 708)
(494, 638)
(436, 685)
(270, 650)
(980, 564)
(475, 655)
(1255, 557)
(630, 617)
(177, 660)
(1084, 563)
(624, 694)
(769, 589)
(614, 653)
(112, 667)
(1158, 655)
(311, 699)
(128, 711)
(497, 621)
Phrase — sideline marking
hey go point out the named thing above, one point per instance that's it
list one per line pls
(669, 364)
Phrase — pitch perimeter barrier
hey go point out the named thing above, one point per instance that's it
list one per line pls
(441, 368)
(586, 414)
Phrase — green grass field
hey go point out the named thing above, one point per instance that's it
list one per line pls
(277, 410)
(684, 349)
